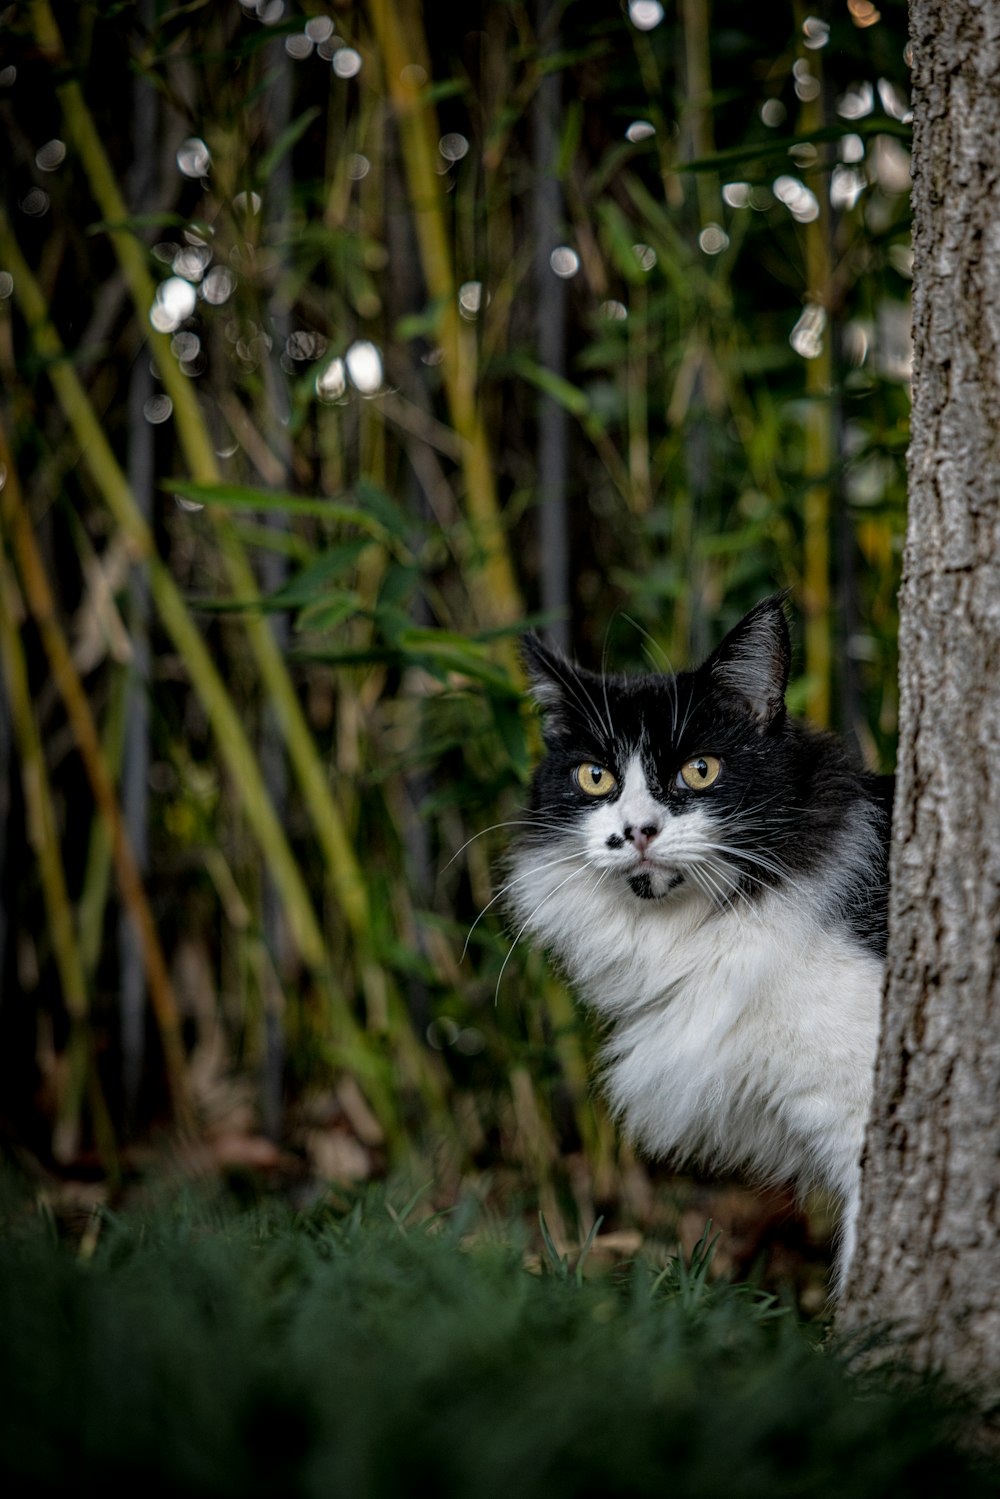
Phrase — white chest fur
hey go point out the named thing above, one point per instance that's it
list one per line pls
(741, 1038)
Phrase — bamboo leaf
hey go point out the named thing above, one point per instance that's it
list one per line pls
(245, 497)
(329, 612)
(569, 396)
(286, 140)
(310, 584)
(781, 145)
(620, 236)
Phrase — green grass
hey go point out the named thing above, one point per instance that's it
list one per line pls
(202, 1352)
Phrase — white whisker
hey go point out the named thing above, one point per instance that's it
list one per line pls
(583, 869)
(516, 822)
(505, 890)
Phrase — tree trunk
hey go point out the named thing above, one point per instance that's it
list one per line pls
(928, 1257)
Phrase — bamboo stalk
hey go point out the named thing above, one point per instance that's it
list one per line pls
(816, 591)
(273, 977)
(637, 403)
(42, 605)
(44, 839)
(133, 761)
(700, 137)
(343, 867)
(97, 870)
(552, 441)
(400, 45)
(107, 474)
(40, 813)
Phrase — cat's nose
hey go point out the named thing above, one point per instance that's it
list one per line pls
(642, 837)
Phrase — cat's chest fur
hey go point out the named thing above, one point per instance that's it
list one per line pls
(741, 1036)
(711, 876)
(740, 1039)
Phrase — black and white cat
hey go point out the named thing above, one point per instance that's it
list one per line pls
(712, 876)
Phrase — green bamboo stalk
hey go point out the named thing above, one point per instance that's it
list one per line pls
(698, 101)
(44, 839)
(592, 1121)
(400, 45)
(40, 600)
(343, 867)
(537, 1147)
(41, 818)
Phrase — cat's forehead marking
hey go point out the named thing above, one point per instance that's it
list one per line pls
(634, 781)
(637, 801)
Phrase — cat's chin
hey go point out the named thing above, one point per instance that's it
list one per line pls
(656, 885)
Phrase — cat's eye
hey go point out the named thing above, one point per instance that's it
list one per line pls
(595, 780)
(699, 773)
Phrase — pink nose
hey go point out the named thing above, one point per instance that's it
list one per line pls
(642, 837)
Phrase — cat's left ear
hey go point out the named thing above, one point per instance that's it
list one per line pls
(754, 660)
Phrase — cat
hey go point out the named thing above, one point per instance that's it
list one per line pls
(712, 876)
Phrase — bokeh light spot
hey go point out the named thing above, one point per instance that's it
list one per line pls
(736, 194)
(194, 157)
(815, 32)
(453, 146)
(247, 202)
(331, 383)
(364, 367)
(50, 157)
(801, 202)
(645, 14)
(564, 261)
(858, 101)
(713, 239)
(176, 299)
(346, 62)
(158, 409)
(218, 286)
(806, 338)
(35, 203)
(470, 298)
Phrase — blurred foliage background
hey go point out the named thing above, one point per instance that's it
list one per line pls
(337, 342)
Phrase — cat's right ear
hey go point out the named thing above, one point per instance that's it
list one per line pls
(550, 681)
(754, 659)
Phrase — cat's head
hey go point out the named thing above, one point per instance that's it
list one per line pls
(669, 784)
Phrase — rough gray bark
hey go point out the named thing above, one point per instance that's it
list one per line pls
(929, 1232)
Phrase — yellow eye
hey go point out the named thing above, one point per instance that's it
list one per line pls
(595, 780)
(699, 773)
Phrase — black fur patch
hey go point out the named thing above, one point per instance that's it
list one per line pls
(642, 886)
